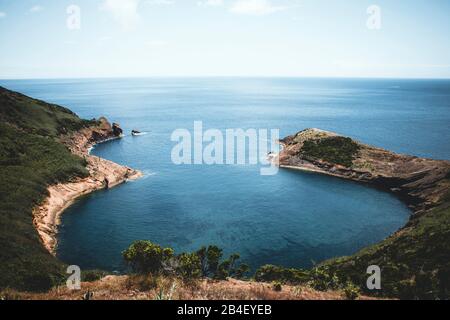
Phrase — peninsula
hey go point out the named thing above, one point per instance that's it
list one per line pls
(102, 174)
(415, 261)
(44, 166)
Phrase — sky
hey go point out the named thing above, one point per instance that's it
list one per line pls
(164, 38)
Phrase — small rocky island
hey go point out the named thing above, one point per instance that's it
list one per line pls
(416, 259)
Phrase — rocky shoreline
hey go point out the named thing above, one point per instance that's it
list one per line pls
(102, 174)
(414, 261)
(420, 183)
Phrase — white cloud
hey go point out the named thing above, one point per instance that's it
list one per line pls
(2, 14)
(36, 8)
(255, 7)
(210, 3)
(124, 12)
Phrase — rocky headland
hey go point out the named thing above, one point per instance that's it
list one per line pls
(102, 174)
(420, 182)
(416, 259)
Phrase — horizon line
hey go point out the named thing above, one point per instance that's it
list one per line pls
(224, 76)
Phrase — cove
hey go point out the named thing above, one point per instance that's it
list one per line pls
(291, 218)
(294, 219)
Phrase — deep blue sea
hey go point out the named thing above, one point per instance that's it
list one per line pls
(292, 219)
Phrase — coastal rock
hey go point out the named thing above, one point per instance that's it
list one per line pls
(418, 181)
(420, 249)
(102, 174)
(117, 130)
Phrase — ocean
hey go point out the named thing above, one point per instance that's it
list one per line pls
(293, 219)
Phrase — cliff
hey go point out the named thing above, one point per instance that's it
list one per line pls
(44, 165)
(415, 261)
(102, 174)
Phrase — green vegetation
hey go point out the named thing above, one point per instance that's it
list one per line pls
(92, 275)
(38, 117)
(147, 258)
(335, 150)
(351, 291)
(277, 286)
(415, 263)
(31, 158)
(317, 278)
(270, 273)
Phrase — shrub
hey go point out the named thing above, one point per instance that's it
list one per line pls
(189, 266)
(146, 257)
(212, 267)
(240, 272)
(351, 291)
(209, 260)
(92, 275)
(270, 273)
(322, 279)
(277, 286)
(336, 150)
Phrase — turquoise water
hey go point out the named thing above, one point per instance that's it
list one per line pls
(292, 218)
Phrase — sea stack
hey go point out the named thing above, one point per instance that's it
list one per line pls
(117, 130)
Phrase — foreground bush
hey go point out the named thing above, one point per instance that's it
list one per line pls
(351, 291)
(145, 257)
(189, 266)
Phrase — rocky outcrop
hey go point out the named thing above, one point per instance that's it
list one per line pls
(117, 130)
(414, 260)
(420, 182)
(102, 174)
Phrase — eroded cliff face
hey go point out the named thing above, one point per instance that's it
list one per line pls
(80, 142)
(102, 174)
(421, 183)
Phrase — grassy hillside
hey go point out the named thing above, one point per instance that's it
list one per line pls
(31, 158)
(415, 261)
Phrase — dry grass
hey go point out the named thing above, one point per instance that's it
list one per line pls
(163, 288)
